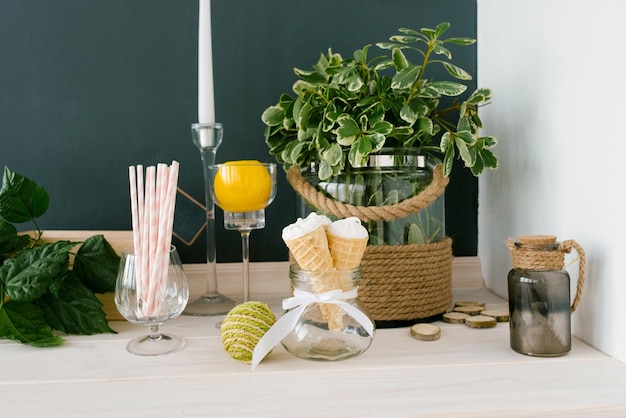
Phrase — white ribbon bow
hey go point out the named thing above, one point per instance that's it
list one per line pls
(301, 300)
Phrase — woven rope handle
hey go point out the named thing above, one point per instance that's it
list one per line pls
(567, 246)
(369, 213)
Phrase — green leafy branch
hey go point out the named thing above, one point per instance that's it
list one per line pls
(346, 109)
(39, 292)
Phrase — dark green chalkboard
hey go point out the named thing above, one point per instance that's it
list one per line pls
(89, 87)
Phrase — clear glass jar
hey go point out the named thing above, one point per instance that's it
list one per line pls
(325, 331)
(539, 302)
(390, 176)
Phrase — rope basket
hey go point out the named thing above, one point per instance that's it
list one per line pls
(409, 282)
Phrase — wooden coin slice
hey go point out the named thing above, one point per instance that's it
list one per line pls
(425, 332)
(468, 303)
(481, 321)
(499, 315)
(454, 317)
(470, 310)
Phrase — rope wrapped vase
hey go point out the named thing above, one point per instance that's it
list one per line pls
(401, 284)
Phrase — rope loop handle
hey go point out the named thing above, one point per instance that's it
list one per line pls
(368, 213)
(566, 247)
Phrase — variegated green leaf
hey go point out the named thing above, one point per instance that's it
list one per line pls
(489, 141)
(377, 141)
(273, 116)
(355, 82)
(489, 159)
(399, 59)
(448, 88)
(333, 154)
(441, 28)
(444, 145)
(426, 125)
(408, 115)
(457, 72)
(406, 77)
(382, 127)
(460, 41)
(441, 50)
(467, 153)
(404, 39)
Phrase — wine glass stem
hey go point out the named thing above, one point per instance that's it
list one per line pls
(245, 254)
(154, 332)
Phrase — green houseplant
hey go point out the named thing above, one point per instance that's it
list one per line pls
(40, 289)
(346, 109)
(346, 113)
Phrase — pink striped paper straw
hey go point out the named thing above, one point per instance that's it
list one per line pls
(134, 210)
(133, 206)
(156, 282)
(150, 224)
(168, 216)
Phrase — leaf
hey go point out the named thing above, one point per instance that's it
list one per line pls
(408, 115)
(404, 39)
(364, 146)
(10, 241)
(467, 153)
(356, 158)
(21, 199)
(27, 276)
(355, 82)
(406, 77)
(445, 141)
(399, 60)
(489, 159)
(460, 41)
(96, 264)
(448, 161)
(426, 125)
(416, 236)
(377, 141)
(489, 141)
(467, 137)
(333, 154)
(440, 50)
(479, 96)
(325, 170)
(76, 310)
(441, 28)
(382, 127)
(273, 116)
(24, 322)
(457, 72)
(347, 131)
(448, 88)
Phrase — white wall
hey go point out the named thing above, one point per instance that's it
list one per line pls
(559, 109)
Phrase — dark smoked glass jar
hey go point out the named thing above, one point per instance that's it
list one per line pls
(539, 297)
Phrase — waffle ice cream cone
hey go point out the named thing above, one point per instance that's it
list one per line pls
(346, 252)
(311, 251)
(347, 240)
(308, 245)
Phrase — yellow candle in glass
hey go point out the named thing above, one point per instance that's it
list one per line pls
(242, 186)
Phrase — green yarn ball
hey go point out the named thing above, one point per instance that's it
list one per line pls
(243, 327)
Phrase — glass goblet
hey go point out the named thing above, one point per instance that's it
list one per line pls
(243, 189)
(151, 289)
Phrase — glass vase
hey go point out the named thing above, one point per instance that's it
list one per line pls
(390, 176)
(326, 331)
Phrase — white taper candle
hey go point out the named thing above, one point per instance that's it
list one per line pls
(206, 99)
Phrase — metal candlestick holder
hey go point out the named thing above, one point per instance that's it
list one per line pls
(208, 137)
